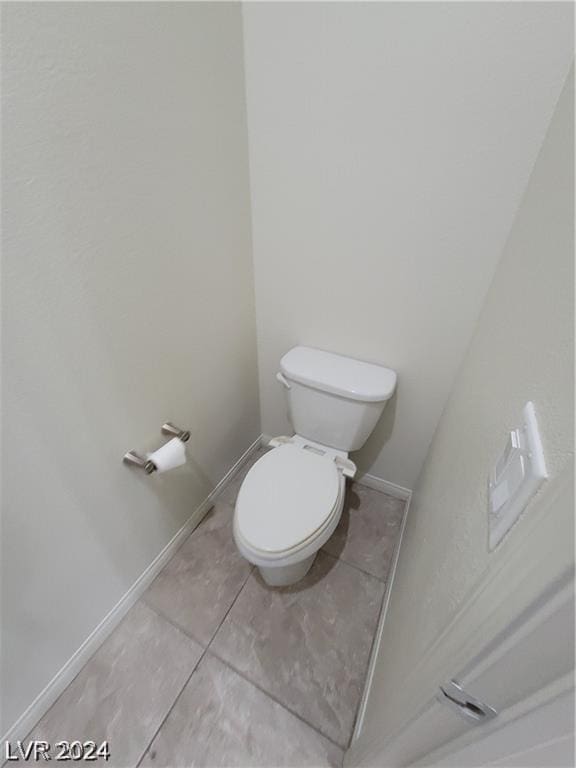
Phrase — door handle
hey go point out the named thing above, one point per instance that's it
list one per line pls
(472, 709)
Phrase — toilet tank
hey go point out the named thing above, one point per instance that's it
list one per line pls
(334, 400)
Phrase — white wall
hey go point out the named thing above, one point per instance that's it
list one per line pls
(128, 300)
(390, 144)
(522, 349)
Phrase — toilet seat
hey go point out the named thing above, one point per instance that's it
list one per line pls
(288, 499)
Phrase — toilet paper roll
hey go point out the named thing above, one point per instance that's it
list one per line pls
(172, 454)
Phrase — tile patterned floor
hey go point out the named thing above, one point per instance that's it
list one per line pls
(214, 668)
(198, 586)
(307, 645)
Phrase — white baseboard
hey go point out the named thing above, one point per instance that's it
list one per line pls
(68, 672)
(384, 610)
(378, 484)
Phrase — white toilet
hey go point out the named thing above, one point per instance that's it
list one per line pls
(291, 499)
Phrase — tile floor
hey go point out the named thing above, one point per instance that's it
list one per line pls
(213, 668)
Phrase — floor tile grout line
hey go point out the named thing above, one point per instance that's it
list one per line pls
(231, 606)
(271, 696)
(170, 709)
(203, 654)
(181, 691)
(175, 624)
(211, 652)
(208, 650)
(351, 565)
(82, 668)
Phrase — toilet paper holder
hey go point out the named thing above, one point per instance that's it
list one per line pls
(136, 460)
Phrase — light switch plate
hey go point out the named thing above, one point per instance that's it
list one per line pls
(519, 472)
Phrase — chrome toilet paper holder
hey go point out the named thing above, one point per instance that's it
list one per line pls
(136, 460)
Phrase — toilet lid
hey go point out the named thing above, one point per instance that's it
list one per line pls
(286, 496)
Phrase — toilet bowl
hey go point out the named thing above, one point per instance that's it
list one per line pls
(288, 507)
(291, 500)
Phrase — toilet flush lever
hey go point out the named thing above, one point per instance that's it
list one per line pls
(283, 380)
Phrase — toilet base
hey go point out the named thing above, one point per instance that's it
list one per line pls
(285, 575)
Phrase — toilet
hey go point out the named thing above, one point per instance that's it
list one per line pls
(291, 500)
